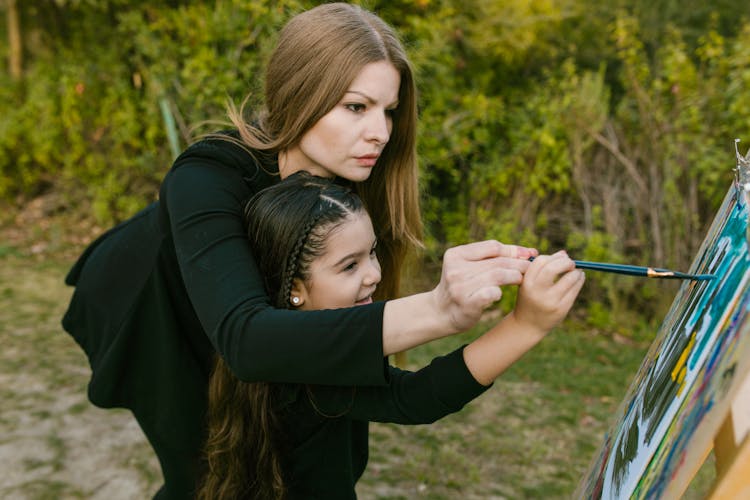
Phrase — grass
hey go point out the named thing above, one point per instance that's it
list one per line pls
(532, 435)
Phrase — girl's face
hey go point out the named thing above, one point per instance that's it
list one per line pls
(347, 141)
(347, 272)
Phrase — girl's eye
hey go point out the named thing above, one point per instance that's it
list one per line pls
(355, 107)
(351, 266)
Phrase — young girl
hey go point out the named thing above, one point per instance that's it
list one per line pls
(159, 295)
(315, 244)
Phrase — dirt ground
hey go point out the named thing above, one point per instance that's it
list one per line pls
(54, 443)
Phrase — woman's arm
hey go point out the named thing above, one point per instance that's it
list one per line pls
(204, 210)
(470, 281)
(204, 198)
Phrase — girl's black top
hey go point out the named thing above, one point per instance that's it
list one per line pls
(325, 429)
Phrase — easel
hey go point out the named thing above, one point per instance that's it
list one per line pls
(732, 441)
(732, 449)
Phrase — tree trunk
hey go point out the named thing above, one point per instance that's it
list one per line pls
(15, 52)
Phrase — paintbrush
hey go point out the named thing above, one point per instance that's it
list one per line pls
(648, 272)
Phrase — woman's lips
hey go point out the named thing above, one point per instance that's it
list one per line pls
(367, 160)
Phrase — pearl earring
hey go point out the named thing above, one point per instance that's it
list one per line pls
(295, 301)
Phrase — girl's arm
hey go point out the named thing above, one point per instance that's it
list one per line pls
(421, 397)
(549, 289)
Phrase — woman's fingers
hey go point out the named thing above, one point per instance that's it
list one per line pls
(500, 270)
(489, 249)
(485, 296)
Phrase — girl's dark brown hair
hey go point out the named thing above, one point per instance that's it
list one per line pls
(287, 224)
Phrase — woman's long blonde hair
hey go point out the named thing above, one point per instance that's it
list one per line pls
(319, 53)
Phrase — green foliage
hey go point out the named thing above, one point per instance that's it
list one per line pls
(86, 116)
(606, 128)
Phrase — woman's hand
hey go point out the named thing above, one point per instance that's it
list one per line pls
(550, 286)
(472, 276)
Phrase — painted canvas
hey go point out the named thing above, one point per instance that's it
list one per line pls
(680, 394)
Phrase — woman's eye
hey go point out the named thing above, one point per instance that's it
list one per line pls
(355, 107)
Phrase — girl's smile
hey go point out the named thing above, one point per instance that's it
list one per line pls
(348, 271)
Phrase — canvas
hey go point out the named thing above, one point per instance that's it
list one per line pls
(681, 392)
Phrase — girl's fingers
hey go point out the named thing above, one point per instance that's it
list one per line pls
(571, 293)
(550, 267)
(546, 267)
(572, 281)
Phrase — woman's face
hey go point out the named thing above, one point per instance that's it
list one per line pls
(347, 141)
(347, 273)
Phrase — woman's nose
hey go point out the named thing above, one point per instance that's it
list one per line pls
(379, 128)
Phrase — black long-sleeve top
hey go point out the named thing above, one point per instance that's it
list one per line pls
(157, 295)
(326, 428)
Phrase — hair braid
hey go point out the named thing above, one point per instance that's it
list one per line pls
(292, 267)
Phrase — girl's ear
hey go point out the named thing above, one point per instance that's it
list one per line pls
(298, 295)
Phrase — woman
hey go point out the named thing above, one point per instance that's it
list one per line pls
(316, 247)
(157, 296)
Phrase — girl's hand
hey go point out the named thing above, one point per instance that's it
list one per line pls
(472, 276)
(550, 286)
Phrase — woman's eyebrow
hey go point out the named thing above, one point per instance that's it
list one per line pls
(367, 97)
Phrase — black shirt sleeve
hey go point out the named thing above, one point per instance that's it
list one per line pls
(444, 386)
(205, 214)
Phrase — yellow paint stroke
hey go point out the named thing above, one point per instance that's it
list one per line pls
(678, 372)
(681, 379)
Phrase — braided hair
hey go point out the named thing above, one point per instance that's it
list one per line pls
(287, 225)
